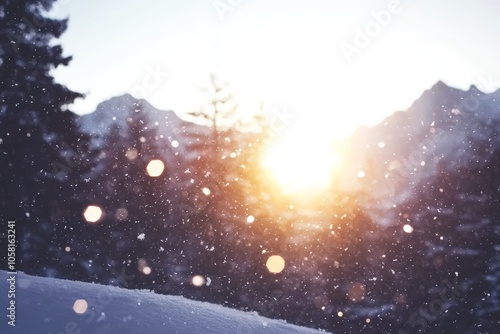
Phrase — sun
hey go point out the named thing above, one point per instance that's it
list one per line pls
(301, 164)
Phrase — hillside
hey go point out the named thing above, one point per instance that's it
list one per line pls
(47, 305)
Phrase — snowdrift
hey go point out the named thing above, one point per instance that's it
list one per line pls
(55, 306)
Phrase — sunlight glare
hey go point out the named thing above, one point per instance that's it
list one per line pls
(301, 164)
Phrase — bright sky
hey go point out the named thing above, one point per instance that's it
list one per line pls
(307, 56)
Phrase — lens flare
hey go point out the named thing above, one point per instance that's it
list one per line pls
(275, 264)
(155, 168)
(92, 213)
(408, 228)
(80, 306)
(198, 280)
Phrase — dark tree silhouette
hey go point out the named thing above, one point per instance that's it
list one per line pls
(39, 142)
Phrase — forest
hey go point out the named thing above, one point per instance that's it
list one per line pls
(140, 198)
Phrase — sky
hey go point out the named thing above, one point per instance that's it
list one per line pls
(334, 65)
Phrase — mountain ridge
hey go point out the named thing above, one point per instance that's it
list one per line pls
(445, 127)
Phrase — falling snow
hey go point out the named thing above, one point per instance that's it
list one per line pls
(393, 229)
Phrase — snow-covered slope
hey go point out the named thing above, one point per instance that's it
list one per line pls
(46, 305)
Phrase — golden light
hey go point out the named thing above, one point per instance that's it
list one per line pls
(155, 168)
(298, 164)
(80, 306)
(408, 228)
(275, 264)
(92, 213)
(250, 219)
(198, 280)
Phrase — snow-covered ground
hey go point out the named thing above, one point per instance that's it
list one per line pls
(54, 306)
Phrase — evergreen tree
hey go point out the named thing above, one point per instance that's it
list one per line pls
(217, 209)
(137, 229)
(39, 141)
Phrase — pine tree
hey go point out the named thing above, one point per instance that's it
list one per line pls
(136, 203)
(39, 141)
(214, 196)
(213, 148)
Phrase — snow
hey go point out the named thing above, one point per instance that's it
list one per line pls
(118, 110)
(445, 129)
(55, 306)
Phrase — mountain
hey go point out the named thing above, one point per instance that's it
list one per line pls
(118, 111)
(430, 179)
(446, 128)
(433, 167)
